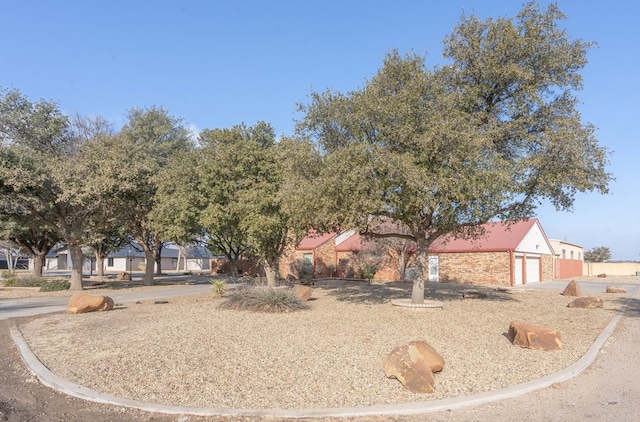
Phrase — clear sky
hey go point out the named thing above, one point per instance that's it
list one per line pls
(220, 63)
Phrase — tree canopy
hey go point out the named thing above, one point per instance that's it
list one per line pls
(490, 135)
(597, 254)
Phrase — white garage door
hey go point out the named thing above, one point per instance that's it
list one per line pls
(518, 270)
(532, 266)
(533, 270)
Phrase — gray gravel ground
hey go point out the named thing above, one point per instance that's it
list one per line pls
(188, 352)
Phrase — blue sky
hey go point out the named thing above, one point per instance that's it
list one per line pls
(219, 63)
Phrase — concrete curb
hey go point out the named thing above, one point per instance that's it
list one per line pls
(51, 380)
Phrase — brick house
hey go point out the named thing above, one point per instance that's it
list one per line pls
(353, 251)
(508, 254)
(313, 257)
(568, 259)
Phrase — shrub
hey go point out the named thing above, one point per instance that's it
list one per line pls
(54, 285)
(218, 287)
(367, 271)
(13, 281)
(264, 299)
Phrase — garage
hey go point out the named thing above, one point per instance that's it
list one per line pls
(531, 267)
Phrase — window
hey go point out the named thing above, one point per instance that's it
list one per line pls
(579, 256)
(307, 263)
(571, 254)
(109, 262)
(564, 253)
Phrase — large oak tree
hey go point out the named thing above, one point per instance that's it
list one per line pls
(489, 135)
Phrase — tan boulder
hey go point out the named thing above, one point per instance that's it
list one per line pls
(534, 337)
(81, 303)
(572, 289)
(413, 364)
(586, 302)
(302, 292)
(615, 289)
(123, 276)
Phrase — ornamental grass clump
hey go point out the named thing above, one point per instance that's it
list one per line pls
(264, 299)
(218, 287)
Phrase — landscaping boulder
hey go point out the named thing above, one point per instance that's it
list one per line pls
(302, 292)
(534, 337)
(572, 289)
(81, 303)
(614, 289)
(123, 276)
(586, 302)
(413, 364)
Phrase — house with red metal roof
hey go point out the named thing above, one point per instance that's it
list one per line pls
(313, 256)
(507, 254)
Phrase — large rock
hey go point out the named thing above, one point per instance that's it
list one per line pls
(586, 302)
(123, 276)
(615, 289)
(81, 303)
(413, 364)
(572, 289)
(302, 292)
(534, 337)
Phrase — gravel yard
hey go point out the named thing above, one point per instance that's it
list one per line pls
(188, 352)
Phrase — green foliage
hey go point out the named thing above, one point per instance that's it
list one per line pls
(367, 271)
(218, 287)
(597, 254)
(243, 174)
(488, 136)
(54, 285)
(264, 299)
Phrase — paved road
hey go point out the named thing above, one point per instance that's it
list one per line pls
(21, 307)
(586, 286)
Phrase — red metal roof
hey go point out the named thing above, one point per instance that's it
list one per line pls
(313, 241)
(351, 244)
(499, 236)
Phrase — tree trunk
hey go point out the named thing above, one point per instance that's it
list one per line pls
(270, 272)
(99, 263)
(38, 260)
(179, 259)
(148, 269)
(402, 264)
(157, 255)
(422, 269)
(77, 260)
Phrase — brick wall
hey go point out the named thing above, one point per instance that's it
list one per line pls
(223, 266)
(290, 264)
(546, 261)
(568, 268)
(325, 259)
(475, 268)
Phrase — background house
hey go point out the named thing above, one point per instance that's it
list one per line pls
(191, 258)
(131, 258)
(568, 259)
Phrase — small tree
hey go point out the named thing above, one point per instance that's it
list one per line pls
(597, 254)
